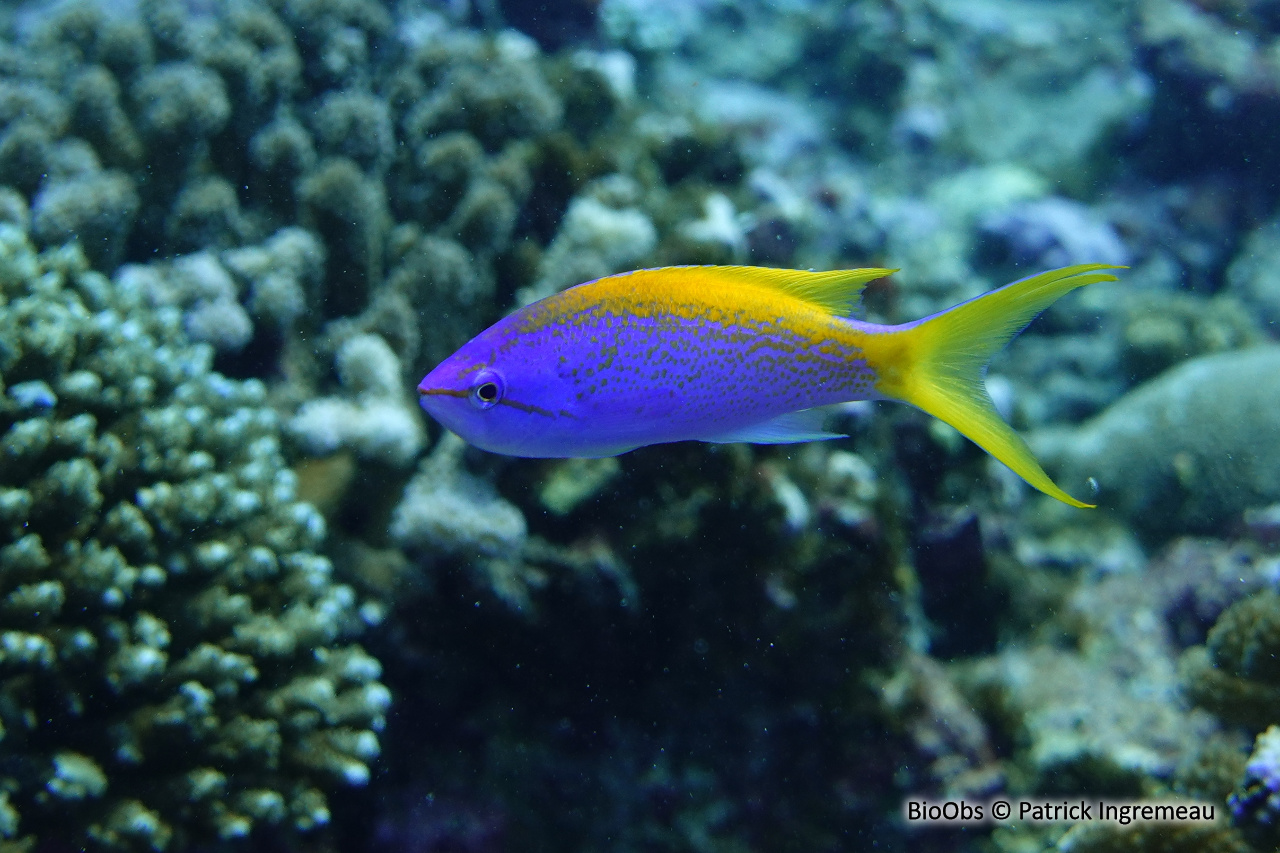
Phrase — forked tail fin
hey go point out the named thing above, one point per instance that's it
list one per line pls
(943, 361)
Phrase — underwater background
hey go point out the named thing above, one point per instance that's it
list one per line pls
(252, 599)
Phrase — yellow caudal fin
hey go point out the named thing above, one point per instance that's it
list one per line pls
(943, 359)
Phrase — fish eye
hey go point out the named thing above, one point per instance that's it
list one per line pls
(486, 390)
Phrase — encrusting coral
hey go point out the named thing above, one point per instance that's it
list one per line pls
(1187, 451)
(1236, 674)
(174, 658)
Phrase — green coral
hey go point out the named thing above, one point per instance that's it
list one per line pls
(1236, 674)
(205, 214)
(348, 210)
(181, 104)
(1162, 329)
(356, 125)
(172, 659)
(24, 153)
(1252, 275)
(490, 88)
(96, 208)
(1188, 451)
(98, 116)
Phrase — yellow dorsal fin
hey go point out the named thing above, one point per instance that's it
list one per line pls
(836, 291)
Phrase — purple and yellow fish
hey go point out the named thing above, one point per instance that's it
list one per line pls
(726, 354)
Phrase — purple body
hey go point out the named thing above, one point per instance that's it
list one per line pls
(608, 366)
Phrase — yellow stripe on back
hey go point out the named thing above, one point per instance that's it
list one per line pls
(835, 292)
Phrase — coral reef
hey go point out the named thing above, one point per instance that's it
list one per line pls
(174, 662)
(1257, 801)
(765, 612)
(1103, 712)
(451, 512)
(247, 298)
(96, 209)
(282, 275)
(1235, 674)
(1162, 329)
(325, 198)
(1090, 699)
(372, 418)
(1251, 276)
(1188, 451)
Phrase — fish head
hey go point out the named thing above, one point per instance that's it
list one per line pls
(499, 399)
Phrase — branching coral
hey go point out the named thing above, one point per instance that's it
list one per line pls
(173, 662)
(433, 163)
(375, 418)
(452, 512)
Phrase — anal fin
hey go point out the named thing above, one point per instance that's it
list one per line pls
(791, 428)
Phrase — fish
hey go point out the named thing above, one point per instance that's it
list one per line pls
(731, 354)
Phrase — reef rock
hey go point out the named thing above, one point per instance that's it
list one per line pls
(1188, 451)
